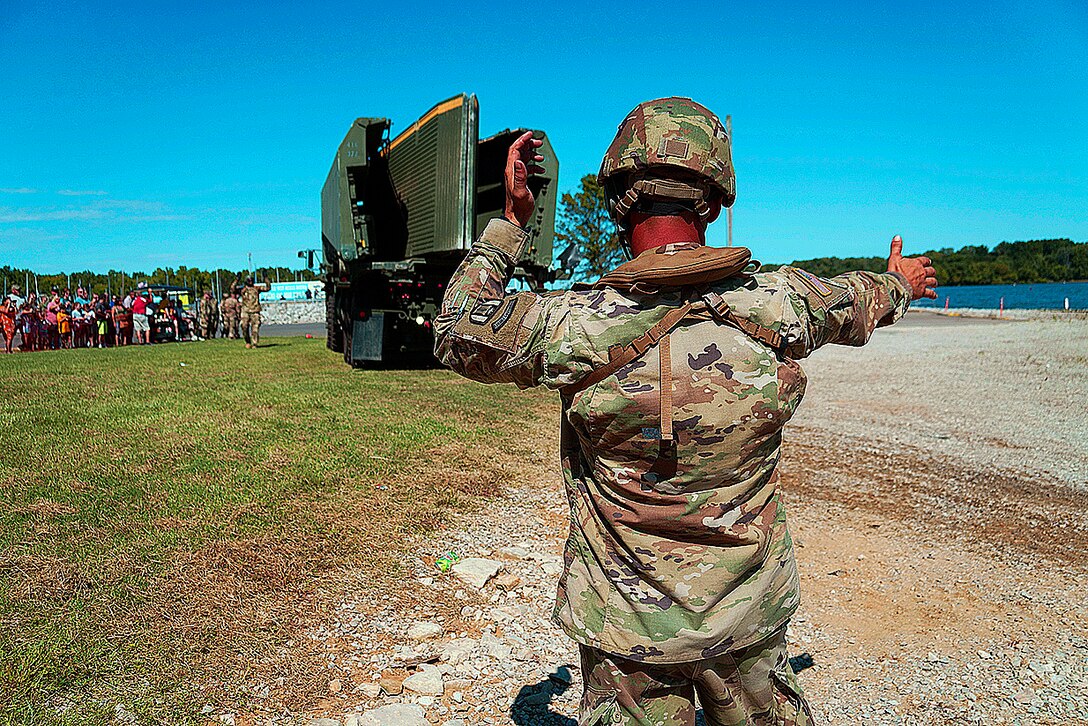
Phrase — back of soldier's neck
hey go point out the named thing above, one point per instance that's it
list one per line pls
(650, 232)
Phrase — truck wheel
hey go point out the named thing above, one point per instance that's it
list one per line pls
(333, 336)
(346, 336)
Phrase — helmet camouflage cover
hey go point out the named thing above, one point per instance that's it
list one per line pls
(674, 139)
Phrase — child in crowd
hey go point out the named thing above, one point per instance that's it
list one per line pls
(64, 327)
(102, 325)
(30, 323)
(78, 330)
(117, 315)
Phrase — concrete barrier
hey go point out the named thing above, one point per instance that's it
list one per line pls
(300, 311)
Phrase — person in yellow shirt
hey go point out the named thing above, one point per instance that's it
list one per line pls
(64, 327)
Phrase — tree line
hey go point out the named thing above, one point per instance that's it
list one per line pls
(118, 281)
(1030, 261)
(582, 221)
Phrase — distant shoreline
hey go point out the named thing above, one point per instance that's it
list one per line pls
(1008, 313)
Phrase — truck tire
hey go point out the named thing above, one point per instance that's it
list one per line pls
(333, 337)
(346, 336)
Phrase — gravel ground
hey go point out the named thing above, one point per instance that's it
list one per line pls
(936, 487)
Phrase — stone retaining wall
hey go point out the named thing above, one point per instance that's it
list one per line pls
(300, 311)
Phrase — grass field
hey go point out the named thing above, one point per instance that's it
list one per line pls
(172, 515)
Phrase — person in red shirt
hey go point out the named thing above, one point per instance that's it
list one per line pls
(140, 324)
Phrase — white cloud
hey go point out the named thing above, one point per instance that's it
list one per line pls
(17, 216)
(115, 210)
(81, 193)
(17, 190)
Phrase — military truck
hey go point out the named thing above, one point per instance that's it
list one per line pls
(397, 216)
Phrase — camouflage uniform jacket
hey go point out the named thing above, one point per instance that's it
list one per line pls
(251, 298)
(677, 551)
(231, 307)
(209, 309)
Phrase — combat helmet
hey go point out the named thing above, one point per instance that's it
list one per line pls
(668, 151)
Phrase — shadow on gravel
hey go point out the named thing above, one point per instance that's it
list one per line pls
(800, 662)
(532, 707)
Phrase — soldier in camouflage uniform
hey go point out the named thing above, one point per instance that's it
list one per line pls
(251, 312)
(208, 316)
(232, 313)
(677, 373)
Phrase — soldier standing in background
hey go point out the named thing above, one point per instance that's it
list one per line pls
(677, 372)
(232, 312)
(251, 312)
(208, 317)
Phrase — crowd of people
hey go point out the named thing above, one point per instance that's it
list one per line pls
(63, 320)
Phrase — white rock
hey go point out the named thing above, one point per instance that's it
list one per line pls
(324, 722)
(426, 682)
(476, 571)
(495, 648)
(397, 714)
(518, 553)
(369, 690)
(453, 722)
(458, 650)
(424, 630)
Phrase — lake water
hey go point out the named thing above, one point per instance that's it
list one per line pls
(1043, 296)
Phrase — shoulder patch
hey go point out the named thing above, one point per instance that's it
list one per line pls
(495, 323)
(818, 291)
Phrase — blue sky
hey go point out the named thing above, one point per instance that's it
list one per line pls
(136, 135)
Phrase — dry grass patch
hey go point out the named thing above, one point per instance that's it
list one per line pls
(171, 560)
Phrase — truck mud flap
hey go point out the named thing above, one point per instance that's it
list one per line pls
(367, 337)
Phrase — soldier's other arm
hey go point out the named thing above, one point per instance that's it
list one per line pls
(847, 308)
(483, 333)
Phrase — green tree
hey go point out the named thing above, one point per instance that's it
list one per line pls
(1052, 260)
(584, 221)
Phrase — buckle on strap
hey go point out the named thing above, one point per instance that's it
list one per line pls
(716, 303)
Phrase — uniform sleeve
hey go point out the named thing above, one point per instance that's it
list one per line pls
(485, 334)
(844, 309)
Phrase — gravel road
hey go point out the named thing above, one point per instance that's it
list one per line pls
(936, 486)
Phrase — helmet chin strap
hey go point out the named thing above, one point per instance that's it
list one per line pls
(664, 190)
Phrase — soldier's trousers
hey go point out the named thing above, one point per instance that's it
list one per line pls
(208, 328)
(750, 687)
(251, 327)
(230, 327)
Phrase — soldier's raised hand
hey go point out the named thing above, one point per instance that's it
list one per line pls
(918, 271)
(521, 163)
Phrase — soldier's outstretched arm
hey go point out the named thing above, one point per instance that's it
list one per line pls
(845, 309)
(483, 333)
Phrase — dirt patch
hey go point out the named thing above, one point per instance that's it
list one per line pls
(987, 509)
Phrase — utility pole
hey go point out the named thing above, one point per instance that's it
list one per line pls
(729, 211)
(251, 264)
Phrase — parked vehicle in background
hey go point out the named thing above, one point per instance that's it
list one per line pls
(183, 302)
(397, 216)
